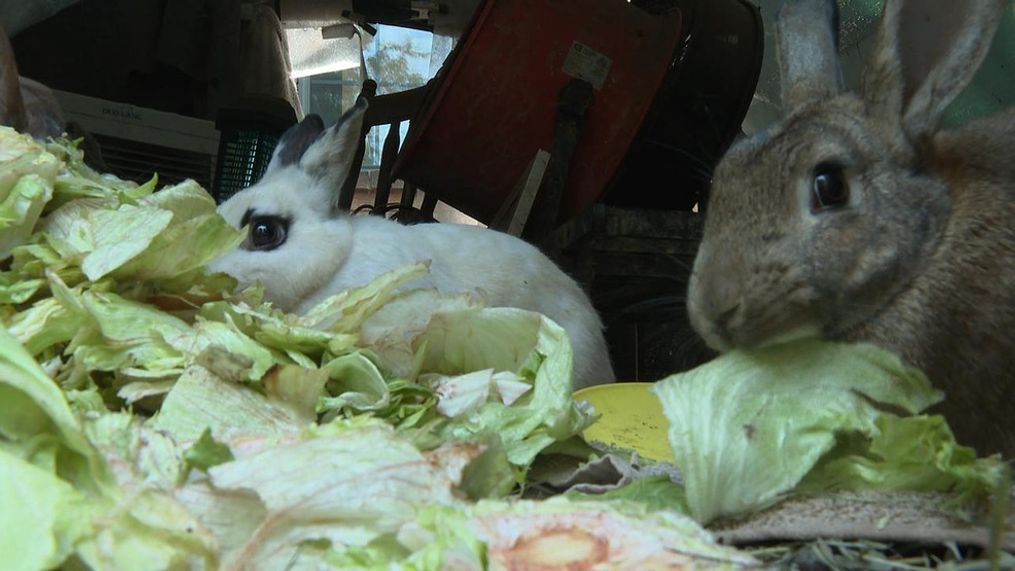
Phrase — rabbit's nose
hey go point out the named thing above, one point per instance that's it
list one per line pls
(725, 322)
(723, 296)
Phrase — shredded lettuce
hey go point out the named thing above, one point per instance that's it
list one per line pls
(153, 417)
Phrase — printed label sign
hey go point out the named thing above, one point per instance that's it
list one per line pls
(586, 63)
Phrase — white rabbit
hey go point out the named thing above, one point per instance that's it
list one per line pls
(302, 248)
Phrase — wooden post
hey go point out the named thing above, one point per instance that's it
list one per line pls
(514, 213)
(388, 155)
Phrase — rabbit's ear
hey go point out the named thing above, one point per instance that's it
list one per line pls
(927, 52)
(808, 41)
(295, 142)
(12, 106)
(331, 157)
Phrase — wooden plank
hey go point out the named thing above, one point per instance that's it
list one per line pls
(388, 154)
(533, 179)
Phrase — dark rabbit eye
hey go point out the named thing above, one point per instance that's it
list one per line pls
(267, 232)
(829, 188)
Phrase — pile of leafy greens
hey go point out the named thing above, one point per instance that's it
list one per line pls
(152, 417)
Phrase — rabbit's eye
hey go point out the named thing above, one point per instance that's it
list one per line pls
(267, 232)
(830, 188)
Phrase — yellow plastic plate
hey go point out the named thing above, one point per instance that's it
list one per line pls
(631, 418)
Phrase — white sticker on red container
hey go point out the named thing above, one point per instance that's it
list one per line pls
(586, 63)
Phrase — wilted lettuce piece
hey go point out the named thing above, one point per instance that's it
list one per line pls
(917, 453)
(74, 183)
(32, 404)
(747, 427)
(20, 155)
(27, 171)
(111, 333)
(78, 180)
(33, 261)
(345, 312)
(527, 344)
(20, 210)
(465, 393)
(135, 391)
(224, 337)
(15, 145)
(343, 484)
(169, 233)
(301, 387)
(356, 382)
(15, 291)
(207, 452)
(133, 451)
(139, 524)
(560, 534)
(42, 516)
(200, 400)
(277, 330)
(126, 334)
(195, 236)
(655, 492)
(101, 235)
(187, 291)
(487, 472)
(47, 323)
(390, 332)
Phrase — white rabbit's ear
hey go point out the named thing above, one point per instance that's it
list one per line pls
(295, 142)
(330, 158)
(927, 52)
(808, 41)
(12, 106)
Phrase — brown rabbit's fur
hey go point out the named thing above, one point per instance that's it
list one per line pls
(920, 260)
(26, 105)
(956, 319)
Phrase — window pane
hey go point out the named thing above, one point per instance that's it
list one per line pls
(396, 58)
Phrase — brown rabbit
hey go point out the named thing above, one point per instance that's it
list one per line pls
(26, 105)
(856, 218)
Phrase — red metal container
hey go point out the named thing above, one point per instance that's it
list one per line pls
(493, 105)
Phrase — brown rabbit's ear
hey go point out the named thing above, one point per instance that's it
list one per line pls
(12, 106)
(331, 157)
(927, 52)
(808, 32)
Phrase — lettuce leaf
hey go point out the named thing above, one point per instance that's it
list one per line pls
(27, 172)
(41, 515)
(749, 427)
(917, 453)
(344, 484)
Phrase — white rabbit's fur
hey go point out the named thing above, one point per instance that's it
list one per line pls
(327, 250)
